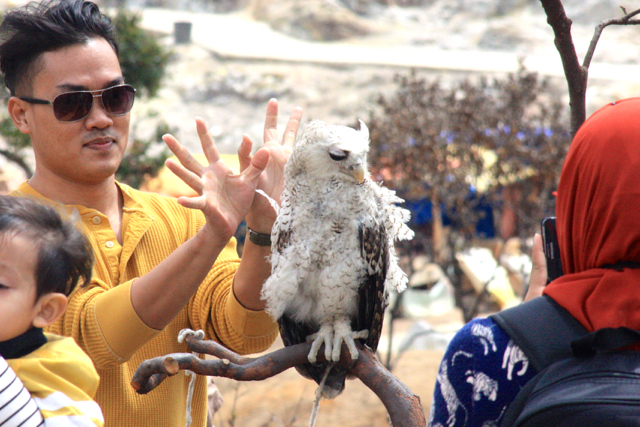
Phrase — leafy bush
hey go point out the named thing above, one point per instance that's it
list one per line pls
(140, 161)
(494, 142)
(142, 59)
(473, 138)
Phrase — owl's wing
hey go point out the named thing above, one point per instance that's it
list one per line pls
(373, 295)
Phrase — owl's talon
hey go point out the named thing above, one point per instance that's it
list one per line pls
(323, 336)
(343, 333)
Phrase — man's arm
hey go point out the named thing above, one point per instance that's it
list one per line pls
(225, 199)
(254, 268)
(159, 295)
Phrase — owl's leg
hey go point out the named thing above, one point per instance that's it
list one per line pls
(323, 336)
(342, 332)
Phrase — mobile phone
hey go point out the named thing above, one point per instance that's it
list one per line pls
(551, 248)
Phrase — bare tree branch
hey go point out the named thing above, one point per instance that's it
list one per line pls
(404, 407)
(575, 73)
(625, 20)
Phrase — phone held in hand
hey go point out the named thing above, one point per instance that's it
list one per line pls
(551, 248)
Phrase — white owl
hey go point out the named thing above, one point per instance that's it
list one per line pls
(333, 260)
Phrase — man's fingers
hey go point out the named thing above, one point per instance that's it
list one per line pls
(206, 140)
(191, 179)
(244, 152)
(271, 122)
(258, 163)
(183, 155)
(198, 203)
(538, 279)
(291, 130)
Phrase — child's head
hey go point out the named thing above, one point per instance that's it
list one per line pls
(42, 259)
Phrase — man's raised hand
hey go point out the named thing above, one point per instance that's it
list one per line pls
(261, 215)
(223, 197)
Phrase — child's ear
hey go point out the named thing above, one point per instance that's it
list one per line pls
(49, 308)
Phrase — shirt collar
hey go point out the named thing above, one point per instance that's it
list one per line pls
(130, 201)
(23, 344)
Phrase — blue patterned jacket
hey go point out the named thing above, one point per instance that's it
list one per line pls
(480, 375)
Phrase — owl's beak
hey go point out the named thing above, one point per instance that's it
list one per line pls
(358, 173)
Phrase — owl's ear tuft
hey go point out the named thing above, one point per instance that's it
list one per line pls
(364, 130)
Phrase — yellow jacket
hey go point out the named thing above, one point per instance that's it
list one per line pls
(62, 382)
(101, 318)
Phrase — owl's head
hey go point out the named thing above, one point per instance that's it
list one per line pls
(331, 151)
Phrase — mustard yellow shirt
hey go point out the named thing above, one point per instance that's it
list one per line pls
(101, 318)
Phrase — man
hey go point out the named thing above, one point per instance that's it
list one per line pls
(161, 266)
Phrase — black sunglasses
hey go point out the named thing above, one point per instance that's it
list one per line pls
(74, 106)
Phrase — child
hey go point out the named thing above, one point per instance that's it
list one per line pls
(42, 258)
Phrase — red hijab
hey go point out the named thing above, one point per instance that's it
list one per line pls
(598, 219)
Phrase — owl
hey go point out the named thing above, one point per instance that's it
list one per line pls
(333, 262)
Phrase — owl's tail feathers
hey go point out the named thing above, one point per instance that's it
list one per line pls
(319, 394)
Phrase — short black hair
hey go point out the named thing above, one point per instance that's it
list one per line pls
(29, 31)
(64, 253)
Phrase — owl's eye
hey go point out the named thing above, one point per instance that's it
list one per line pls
(338, 154)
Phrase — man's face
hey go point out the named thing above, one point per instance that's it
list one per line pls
(18, 257)
(87, 151)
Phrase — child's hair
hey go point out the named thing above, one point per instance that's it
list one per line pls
(64, 253)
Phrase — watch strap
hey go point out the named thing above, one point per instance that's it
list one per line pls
(259, 239)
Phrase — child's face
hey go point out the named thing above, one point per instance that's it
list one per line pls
(18, 258)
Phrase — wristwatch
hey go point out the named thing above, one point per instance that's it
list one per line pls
(259, 239)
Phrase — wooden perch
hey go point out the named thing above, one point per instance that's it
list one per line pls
(404, 407)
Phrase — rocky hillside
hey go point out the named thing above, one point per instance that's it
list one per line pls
(231, 93)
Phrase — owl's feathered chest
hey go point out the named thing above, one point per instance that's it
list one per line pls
(329, 214)
(332, 200)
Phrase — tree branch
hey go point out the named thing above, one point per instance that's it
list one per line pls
(575, 74)
(403, 406)
(625, 20)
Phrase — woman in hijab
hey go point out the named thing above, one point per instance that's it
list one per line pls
(598, 227)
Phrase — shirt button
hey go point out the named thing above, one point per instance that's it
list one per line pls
(109, 244)
(96, 220)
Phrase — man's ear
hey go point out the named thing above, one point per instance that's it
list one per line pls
(49, 308)
(17, 111)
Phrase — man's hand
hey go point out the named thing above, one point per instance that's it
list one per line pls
(538, 279)
(224, 197)
(261, 215)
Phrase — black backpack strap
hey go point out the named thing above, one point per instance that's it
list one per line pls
(604, 340)
(542, 329)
